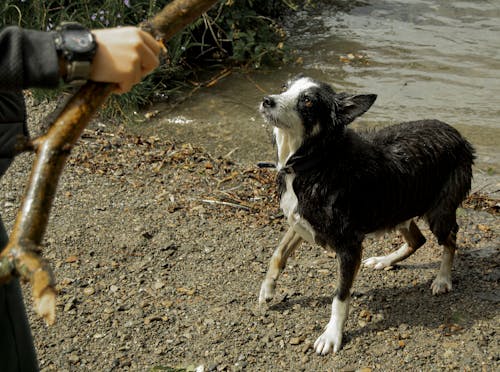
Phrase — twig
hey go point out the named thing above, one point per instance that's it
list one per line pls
(262, 90)
(234, 205)
(197, 86)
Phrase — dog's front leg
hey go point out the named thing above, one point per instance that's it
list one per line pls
(288, 244)
(349, 261)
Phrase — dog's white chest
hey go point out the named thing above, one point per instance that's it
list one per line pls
(289, 203)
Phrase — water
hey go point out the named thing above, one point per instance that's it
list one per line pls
(424, 59)
(432, 59)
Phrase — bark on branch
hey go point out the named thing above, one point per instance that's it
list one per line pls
(21, 255)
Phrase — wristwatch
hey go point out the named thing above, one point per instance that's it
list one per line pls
(77, 46)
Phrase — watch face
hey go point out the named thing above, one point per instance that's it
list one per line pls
(78, 41)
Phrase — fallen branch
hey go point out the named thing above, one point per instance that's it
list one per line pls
(228, 204)
(21, 255)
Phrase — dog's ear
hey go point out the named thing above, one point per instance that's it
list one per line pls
(349, 107)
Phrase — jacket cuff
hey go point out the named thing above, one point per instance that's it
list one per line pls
(40, 60)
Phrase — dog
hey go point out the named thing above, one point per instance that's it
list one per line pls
(338, 185)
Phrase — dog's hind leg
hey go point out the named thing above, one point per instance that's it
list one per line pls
(349, 260)
(442, 283)
(287, 246)
(413, 240)
(442, 220)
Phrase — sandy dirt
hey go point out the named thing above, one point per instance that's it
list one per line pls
(159, 249)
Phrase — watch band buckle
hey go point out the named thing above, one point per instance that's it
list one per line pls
(78, 72)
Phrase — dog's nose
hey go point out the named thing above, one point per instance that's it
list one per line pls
(268, 102)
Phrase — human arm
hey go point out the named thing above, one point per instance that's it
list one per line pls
(123, 56)
(28, 59)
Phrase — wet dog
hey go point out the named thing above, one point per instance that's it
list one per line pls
(338, 185)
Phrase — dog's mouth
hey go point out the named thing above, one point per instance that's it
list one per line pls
(267, 114)
(272, 119)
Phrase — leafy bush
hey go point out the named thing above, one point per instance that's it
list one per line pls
(239, 32)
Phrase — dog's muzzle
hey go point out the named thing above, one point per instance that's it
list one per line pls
(268, 102)
(269, 110)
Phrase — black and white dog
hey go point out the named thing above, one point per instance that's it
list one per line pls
(338, 185)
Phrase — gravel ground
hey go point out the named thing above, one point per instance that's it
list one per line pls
(159, 249)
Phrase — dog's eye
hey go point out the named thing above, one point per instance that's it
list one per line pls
(307, 102)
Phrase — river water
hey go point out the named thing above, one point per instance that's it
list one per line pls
(424, 59)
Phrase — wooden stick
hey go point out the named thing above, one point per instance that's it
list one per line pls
(20, 256)
(177, 15)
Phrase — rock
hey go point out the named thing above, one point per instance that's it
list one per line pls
(306, 347)
(71, 259)
(403, 327)
(449, 354)
(158, 285)
(366, 315)
(73, 358)
(70, 304)
(152, 318)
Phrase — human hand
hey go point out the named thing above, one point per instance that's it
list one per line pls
(124, 56)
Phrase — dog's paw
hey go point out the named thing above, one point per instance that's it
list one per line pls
(267, 290)
(378, 263)
(441, 285)
(330, 340)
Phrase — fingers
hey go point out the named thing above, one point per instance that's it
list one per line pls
(124, 56)
(151, 43)
(130, 78)
(149, 58)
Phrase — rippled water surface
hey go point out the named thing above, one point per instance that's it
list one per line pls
(424, 59)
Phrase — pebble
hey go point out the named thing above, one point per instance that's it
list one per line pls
(307, 345)
(70, 304)
(73, 358)
(89, 291)
(152, 318)
(366, 315)
(404, 336)
(448, 354)
(158, 285)
(296, 340)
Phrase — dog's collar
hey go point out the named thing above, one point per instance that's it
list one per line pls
(302, 163)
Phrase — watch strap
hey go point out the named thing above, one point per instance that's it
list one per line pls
(77, 71)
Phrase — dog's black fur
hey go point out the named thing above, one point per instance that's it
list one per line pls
(349, 183)
(364, 182)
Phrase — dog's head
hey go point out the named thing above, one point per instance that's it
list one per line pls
(310, 107)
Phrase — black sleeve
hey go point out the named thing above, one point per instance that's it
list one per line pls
(28, 59)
